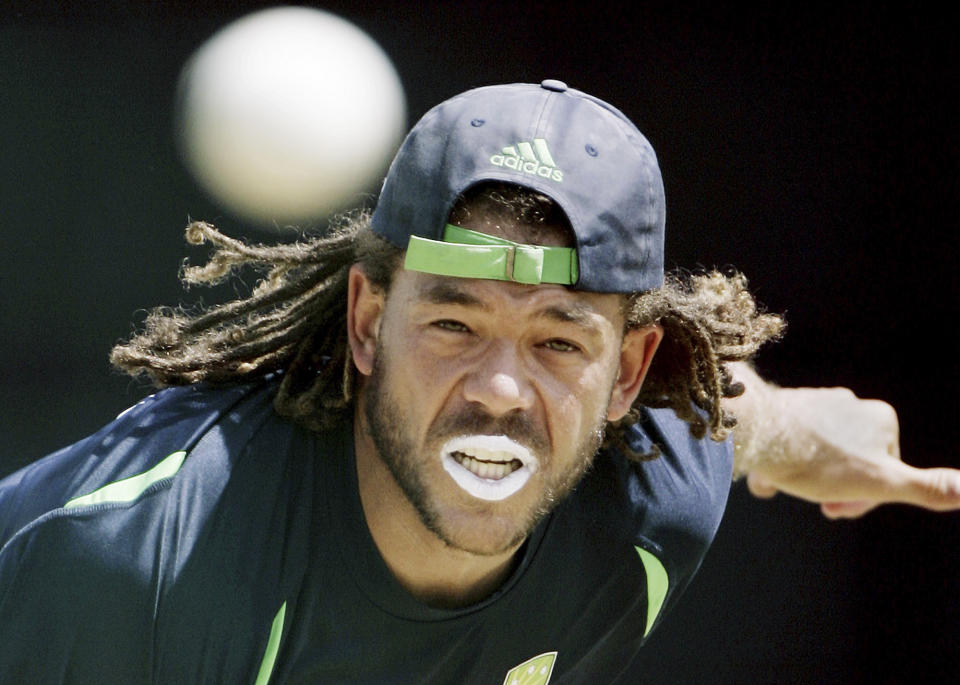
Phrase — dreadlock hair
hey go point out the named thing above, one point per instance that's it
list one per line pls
(708, 319)
(294, 322)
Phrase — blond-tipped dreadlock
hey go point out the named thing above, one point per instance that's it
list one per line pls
(295, 322)
(707, 319)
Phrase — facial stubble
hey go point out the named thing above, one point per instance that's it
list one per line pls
(397, 450)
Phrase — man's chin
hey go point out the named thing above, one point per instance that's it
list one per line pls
(482, 532)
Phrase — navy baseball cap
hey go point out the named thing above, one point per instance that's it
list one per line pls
(572, 147)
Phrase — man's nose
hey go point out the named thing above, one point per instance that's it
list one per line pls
(499, 381)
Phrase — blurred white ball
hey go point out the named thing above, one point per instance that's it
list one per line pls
(289, 114)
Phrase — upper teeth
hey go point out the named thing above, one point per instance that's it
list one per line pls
(490, 467)
(487, 469)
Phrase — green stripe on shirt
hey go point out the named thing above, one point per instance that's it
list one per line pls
(273, 647)
(129, 489)
(657, 585)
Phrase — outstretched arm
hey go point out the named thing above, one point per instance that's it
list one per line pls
(828, 446)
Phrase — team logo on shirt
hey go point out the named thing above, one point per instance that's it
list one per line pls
(529, 158)
(535, 671)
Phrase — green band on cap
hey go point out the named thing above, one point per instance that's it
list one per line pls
(469, 254)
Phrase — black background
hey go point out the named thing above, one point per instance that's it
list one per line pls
(814, 147)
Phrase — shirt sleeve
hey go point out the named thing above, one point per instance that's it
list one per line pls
(68, 614)
(173, 419)
(678, 500)
(89, 535)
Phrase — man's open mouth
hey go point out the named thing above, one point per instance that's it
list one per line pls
(490, 467)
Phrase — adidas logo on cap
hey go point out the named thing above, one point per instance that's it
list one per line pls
(530, 159)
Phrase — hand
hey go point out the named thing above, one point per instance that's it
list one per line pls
(831, 447)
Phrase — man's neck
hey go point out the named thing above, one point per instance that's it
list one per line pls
(428, 568)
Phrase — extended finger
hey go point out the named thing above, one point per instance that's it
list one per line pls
(933, 488)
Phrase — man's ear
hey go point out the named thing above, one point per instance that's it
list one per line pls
(364, 311)
(636, 353)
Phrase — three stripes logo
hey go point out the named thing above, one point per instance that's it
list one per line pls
(530, 159)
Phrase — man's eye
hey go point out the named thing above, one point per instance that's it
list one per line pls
(561, 346)
(450, 325)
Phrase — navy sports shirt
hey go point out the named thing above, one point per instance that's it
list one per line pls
(201, 538)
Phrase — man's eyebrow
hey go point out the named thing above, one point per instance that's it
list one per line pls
(445, 292)
(578, 314)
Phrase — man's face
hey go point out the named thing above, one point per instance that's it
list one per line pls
(487, 400)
